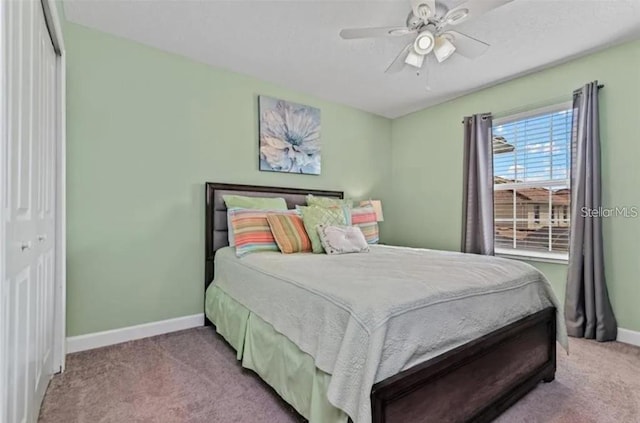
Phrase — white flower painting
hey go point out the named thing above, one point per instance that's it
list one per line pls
(289, 137)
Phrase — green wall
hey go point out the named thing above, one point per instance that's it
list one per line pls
(146, 129)
(427, 165)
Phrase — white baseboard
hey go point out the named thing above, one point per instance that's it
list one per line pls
(629, 336)
(130, 333)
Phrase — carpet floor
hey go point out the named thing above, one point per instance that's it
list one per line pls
(193, 376)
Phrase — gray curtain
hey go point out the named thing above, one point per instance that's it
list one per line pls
(588, 310)
(477, 212)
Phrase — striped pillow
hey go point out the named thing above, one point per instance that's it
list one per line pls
(251, 230)
(289, 233)
(242, 202)
(365, 219)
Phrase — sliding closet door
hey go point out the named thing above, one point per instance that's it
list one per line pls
(30, 208)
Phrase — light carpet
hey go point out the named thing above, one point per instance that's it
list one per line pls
(193, 376)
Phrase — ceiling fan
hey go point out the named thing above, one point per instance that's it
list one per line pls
(429, 20)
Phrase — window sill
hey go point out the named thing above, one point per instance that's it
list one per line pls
(558, 258)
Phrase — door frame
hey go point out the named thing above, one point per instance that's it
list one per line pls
(60, 315)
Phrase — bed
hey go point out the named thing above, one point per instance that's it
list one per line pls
(308, 327)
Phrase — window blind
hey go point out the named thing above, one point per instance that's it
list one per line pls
(532, 162)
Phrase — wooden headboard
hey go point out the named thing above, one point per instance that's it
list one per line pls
(216, 235)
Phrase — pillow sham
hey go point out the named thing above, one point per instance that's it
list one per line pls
(262, 203)
(365, 219)
(312, 200)
(342, 239)
(289, 233)
(252, 231)
(312, 216)
(244, 202)
(346, 210)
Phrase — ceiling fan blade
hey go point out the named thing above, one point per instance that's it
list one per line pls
(465, 45)
(471, 9)
(423, 12)
(398, 62)
(393, 31)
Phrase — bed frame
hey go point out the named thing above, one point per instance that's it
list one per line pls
(472, 383)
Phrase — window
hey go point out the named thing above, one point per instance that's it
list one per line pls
(531, 163)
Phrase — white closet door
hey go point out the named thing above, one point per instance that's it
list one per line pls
(45, 209)
(30, 211)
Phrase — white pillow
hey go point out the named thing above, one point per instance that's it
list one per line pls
(342, 239)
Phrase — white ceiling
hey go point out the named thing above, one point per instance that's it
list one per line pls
(296, 44)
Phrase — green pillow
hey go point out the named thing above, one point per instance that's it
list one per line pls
(242, 202)
(312, 216)
(312, 200)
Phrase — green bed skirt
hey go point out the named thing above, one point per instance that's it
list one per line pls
(278, 361)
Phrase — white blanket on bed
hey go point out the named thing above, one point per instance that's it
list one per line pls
(365, 317)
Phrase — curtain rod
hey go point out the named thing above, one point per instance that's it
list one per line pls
(580, 89)
(536, 105)
(484, 116)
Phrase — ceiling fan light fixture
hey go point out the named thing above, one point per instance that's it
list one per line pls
(456, 15)
(424, 43)
(414, 59)
(427, 24)
(443, 48)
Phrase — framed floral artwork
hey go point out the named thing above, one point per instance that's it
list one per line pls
(289, 137)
